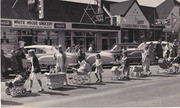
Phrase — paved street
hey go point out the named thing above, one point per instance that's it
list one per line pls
(156, 90)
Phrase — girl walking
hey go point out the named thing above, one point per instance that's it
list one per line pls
(99, 68)
(35, 70)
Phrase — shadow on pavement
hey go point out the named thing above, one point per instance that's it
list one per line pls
(113, 82)
(54, 93)
(5, 102)
(143, 78)
(73, 87)
(163, 75)
(31, 95)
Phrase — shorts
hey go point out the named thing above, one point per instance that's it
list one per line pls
(34, 75)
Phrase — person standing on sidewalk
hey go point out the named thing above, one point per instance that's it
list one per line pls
(99, 69)
(14, 63)
(35, 71)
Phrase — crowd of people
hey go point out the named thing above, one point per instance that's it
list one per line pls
(169, 52)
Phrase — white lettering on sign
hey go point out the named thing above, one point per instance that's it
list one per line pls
(45, 23)
(32, 23)
(134, 26)
(19, 22)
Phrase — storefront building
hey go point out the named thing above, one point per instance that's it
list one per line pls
(137, 22)
(64, 27)
(169, 16)
(34, 32)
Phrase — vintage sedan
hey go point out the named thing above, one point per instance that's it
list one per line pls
(132, 49)
(45, 55)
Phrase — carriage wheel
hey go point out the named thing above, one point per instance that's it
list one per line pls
(7, 91)
(158, 71)
(13, 93)
(87, 79)
(171, 71)
(23, 91)
(132, 74)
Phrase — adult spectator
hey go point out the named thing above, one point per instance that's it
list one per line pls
(159, 50)
(20, 55)
(61, 60)
(48, 41)
(81, 54)
(14, 62)
(3, 63)
(21, 43)
(90, 49)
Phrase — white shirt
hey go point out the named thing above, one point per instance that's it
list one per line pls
(60, 60)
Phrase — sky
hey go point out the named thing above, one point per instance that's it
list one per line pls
(151, 3)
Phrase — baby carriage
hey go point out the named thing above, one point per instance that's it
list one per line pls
(79, 74)
(137, 71)
(116, 73)
(165, 66)
(16, 87)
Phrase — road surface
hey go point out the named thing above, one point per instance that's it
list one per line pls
(154, 91)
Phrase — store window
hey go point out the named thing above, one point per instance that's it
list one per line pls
(90, 40)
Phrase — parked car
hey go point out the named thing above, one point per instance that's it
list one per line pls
(132, 49)
(45, 55)
(111, 56)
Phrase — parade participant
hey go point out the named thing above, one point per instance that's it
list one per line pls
(14, 62)
(142, 49)
(176, 62)
(151, 52)
(61, 60)
(125, 65)
(159, 50)
(167, 50)
(99, 68)
(35, 70)
(147, 60)
(174, 48)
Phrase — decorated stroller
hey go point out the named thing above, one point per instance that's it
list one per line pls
(16, 87)
(78, 75)
(165, 66)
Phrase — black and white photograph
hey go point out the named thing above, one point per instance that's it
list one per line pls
(90, 53)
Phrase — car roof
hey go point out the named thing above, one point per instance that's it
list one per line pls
(39, 46)
(155, 42)
(46, 48)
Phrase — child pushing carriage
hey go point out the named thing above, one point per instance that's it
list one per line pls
(121, 72)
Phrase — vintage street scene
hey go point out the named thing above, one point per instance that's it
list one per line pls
(90, 53)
